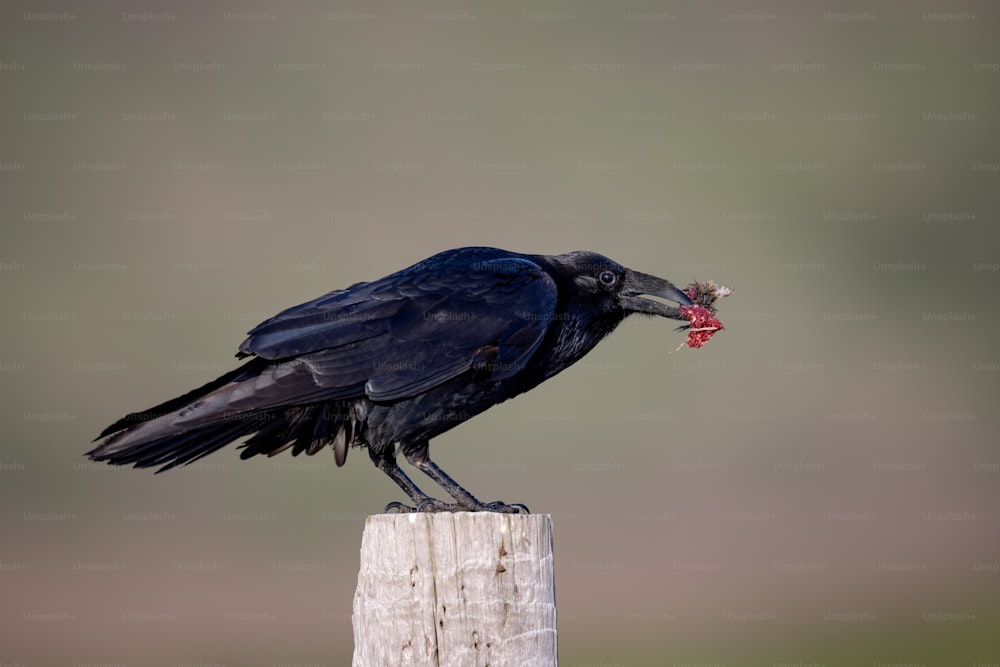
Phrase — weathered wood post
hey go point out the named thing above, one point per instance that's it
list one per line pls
(456, 590)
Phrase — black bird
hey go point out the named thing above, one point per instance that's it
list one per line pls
(399, 360)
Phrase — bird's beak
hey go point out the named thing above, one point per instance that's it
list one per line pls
(637, 283)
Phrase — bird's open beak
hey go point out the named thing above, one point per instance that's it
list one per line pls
(637, 283)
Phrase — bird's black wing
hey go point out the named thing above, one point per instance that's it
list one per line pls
(405, 333)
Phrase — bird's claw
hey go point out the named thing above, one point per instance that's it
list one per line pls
(398, 508)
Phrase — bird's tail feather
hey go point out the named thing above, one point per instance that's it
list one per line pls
(196, 424)
(152, 437)
(248, 370)
(171, 450)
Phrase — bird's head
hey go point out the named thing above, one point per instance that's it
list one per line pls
(617, 291)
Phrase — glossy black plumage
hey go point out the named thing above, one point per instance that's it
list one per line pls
(398, 360)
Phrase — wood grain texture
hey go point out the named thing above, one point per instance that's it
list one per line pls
(455, 589)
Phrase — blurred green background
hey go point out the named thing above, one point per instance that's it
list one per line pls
(819, 485)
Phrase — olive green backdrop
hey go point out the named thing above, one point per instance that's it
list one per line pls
(818, 485)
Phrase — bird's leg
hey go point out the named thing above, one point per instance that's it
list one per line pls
(388, 465)
(465, 502)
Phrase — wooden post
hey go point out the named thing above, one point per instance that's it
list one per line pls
(456, 589)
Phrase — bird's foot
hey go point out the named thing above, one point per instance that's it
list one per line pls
(435, 505)
(472, 505)
(503, 508)
(425, 505)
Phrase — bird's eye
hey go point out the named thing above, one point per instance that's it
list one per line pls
(607, 278)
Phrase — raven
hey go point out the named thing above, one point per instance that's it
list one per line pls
(399, 360)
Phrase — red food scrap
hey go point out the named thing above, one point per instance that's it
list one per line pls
(703, 324)
(701, 314)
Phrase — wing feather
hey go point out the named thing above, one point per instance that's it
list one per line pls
(409, 331)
